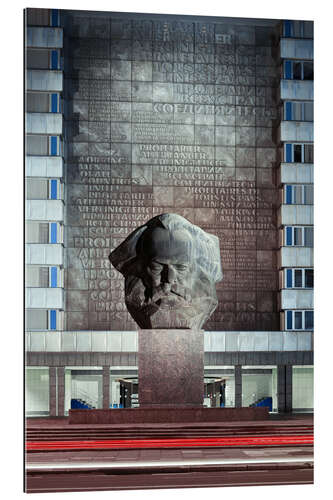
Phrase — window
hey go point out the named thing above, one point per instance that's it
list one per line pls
(54, 103)
(299, 320)
(55, 232)
(299, 111)
(54, 17)
(302, 388)
(299, 278)
(298, 29)
(53, 277)
(298, 153)
(54, 191)
(301, 236)
(298, 70)
(299, 194)
(53, 145)
(52, 325)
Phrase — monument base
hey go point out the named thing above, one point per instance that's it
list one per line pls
(171, 368)
(166, 415)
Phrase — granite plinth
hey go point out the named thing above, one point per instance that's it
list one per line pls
(171, 368)
(166, 415)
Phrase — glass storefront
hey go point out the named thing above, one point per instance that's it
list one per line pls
(83, 388)
(259, 386)
(220, 388)
(37, 392)
(302, 387)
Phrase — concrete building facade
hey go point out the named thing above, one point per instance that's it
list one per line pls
(132, 115)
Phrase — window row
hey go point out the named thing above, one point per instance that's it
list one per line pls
(43, 17)
(298, 29)
(300, 236)
(298, 153)
(43, 102)
(44, 59)
(43, 232)
(298, 70)
(298, 111)
(299, 320)
(44, 277)
(44, 189)
(298, 278)
(43, 319)
(298, 194)
(43, 145)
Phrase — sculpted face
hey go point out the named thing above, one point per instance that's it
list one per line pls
(166, 262)
(170, 268)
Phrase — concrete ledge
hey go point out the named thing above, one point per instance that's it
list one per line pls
(167, 415)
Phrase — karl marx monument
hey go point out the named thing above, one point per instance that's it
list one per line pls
(170, 268)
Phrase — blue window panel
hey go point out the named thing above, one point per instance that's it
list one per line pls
(308, 320)
(54, 189)
(54, 145)
(289, 194)
(289, 235)
(53, 319)
(289, 320)
(289, 278)
(289, 153)
(53, 232)
(54, 59)
(289, 111)
(287, 28)
(54, 277)
(54, 103)
(55, 17)
(288, 70)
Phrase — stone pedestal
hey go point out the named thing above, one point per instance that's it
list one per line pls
(171, 368)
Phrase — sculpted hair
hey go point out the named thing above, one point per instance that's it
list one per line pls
(206, 250)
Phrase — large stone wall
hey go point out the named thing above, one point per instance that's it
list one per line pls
(171, 114)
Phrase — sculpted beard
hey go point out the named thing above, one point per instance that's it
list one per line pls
(141, 294)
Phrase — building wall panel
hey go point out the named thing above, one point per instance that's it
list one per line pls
(291, 48)
(296, 257)
(44, 80)
(292, 131)
(44, 166)
(296, 90)
(38, 36)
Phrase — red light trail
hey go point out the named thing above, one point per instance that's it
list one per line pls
(169, 443)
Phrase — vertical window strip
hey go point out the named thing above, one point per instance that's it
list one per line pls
(289, 153)
(289, 279)
(54, 189)
(53, 319)
(54, 103)
(308, 323)
(289, 320)
(54, 277)
(289, 240)
(55, 17)
(289, 195)
(54, 232)
(287, 28)
(54, 59)
(288, 70)
(289, 108)
(54, 145)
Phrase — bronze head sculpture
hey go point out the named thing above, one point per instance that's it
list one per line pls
(170, 268)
